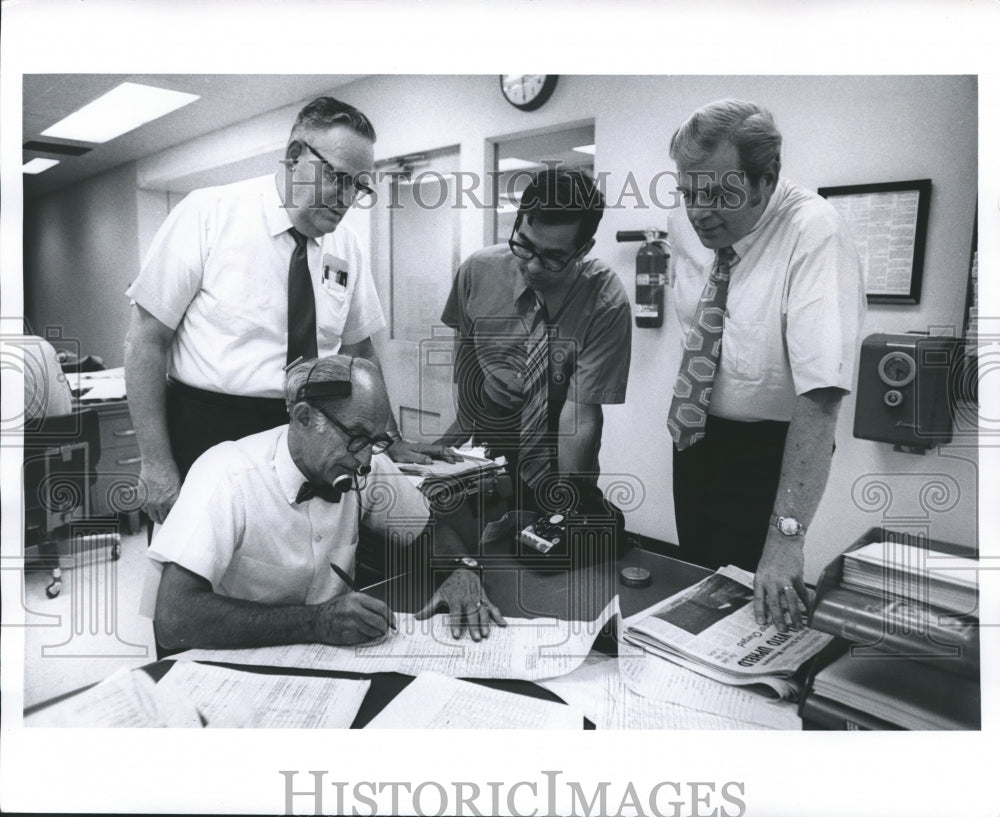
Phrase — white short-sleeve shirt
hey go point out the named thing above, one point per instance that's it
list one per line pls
(217, 273)
(794, 309)
(236, 524)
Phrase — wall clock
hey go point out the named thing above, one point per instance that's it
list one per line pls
(527, 92)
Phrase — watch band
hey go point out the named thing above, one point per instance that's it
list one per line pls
(467, 563)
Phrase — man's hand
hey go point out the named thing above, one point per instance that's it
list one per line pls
(453, 438)
(163, 484)
(352, 618)
(422, 453)
(468, 603)
(778, 586)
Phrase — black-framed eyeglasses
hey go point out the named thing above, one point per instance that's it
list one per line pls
(348, 187)
(359, 442)
(526, 252)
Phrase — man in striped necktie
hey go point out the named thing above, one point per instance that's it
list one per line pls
(769, 296)
(544, 340)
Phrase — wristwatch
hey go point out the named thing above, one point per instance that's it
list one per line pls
(467, 563)
(788, 525)
(395, 436)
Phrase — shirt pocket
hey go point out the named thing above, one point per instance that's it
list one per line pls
(332, 304)
(255, 580)
(744, 350)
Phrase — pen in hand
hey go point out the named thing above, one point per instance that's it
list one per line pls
(342, 575)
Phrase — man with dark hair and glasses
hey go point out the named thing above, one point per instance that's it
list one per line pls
(543, 341)
(242, 280)
(261, 550)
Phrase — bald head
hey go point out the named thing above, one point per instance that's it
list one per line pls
(336, 382)
(325, 396)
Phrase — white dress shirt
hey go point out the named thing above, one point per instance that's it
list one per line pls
(217, 273)
(794, 309)
(236, 523)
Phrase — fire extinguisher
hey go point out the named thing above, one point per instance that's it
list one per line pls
(650, 274)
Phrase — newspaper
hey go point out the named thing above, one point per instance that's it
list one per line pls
(710, 628)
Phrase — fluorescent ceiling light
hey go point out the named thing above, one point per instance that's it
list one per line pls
(120, 110)
(585, 149)
(513, 163)
(39, 165)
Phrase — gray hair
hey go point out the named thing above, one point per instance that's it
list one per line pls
(326, 112)
(316, 370)
(746, 125)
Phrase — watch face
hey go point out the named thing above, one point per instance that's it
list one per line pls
(527, 91)
(788, 526)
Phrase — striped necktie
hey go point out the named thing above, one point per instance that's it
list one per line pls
(301, 303)
(534, 445)
(702, 348)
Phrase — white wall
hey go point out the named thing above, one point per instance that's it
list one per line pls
(838, 130)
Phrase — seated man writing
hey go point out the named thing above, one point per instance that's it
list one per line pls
(260, 545)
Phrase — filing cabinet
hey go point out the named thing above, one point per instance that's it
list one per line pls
(117, 488)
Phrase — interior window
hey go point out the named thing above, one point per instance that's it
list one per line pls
(516, 158)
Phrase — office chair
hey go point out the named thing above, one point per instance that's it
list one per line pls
(60, 459)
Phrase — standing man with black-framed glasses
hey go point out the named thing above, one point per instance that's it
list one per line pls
(544, 337)
(242, 280)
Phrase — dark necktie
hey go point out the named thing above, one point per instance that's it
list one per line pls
(534, 447)
(324, 492)
(301, 303)
(702, 349)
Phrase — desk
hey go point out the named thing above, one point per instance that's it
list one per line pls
(533, 588)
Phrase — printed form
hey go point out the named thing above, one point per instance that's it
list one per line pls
(526, 649)
(233, 699)
(598, 689)
(126, 699)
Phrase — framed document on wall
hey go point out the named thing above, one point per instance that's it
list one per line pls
(889, 225)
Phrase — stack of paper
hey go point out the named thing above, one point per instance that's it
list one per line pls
(922, 575)
(909, 694)
(473, 463)
(600, 690)
(194, 695)
(91, 387)
(129, 698)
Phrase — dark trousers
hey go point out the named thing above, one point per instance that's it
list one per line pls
(724, 490)
(198, 419)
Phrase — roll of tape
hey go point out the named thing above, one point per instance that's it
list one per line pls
(636, 577)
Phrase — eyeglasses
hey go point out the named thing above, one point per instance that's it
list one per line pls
(348, 188)
(526, 252)
(359, 442)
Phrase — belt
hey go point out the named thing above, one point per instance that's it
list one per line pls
(226, 400)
